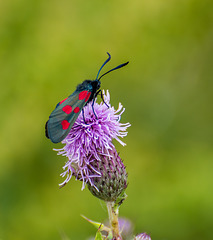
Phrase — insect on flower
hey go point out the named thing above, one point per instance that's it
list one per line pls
(66, 112)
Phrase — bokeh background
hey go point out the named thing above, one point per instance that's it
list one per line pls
(46, 49)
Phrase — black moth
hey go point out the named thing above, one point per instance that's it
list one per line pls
(66, 112)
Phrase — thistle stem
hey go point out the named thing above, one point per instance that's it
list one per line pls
(113, 220)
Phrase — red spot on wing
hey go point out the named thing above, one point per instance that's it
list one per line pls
(88, 96)
(67, 109)
(76, 110)
(63, 100)
(65, 124)
(82, 95)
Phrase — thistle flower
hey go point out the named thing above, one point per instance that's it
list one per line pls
(90, 142)
(142, 236)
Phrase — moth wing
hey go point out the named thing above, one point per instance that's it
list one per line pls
(65, 114)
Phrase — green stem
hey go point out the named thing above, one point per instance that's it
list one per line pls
(113, 220)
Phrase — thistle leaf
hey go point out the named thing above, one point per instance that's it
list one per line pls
(97, 225)
(98, 236)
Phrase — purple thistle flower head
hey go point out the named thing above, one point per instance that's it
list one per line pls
(88, 141)
(142, 236)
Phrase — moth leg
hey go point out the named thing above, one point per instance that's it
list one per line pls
(83, 115)
(102, 97)
(97, 93)
(93, 106)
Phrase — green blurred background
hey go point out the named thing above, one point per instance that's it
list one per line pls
(46, 49)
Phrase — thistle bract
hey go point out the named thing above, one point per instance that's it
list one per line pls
(113, 177)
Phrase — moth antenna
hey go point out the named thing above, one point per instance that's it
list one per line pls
(109, 57)
(119, 66)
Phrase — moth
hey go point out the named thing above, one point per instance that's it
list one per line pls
(66, 112)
